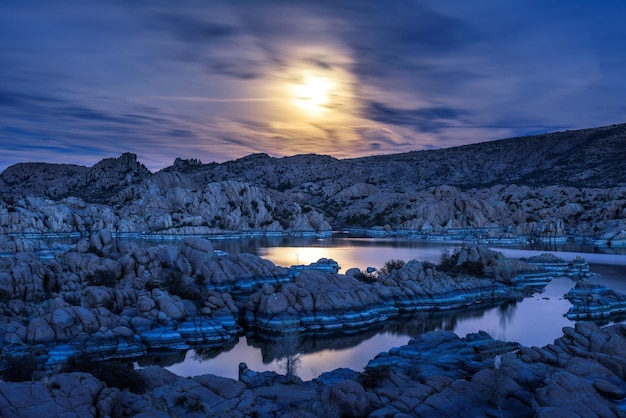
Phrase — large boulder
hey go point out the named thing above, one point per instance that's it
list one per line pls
(198, 251)
(348, 397)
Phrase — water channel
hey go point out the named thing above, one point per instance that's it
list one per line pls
(536, 320)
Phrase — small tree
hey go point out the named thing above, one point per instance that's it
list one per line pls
(448, 261)
(19, 369)
(289, 357)
(114, 373)
(392, 265)
(102, 278)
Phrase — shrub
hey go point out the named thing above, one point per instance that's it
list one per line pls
(176, 285)
(473, 268)
(392, 265)
(114, 373)
(5, 296)
(372, 377)
(448, 264)
(288, 353)
(191, 403)
(365, 278)
(448, 261)
(95, 250)
(102, 278)
(19, 369)
(200, 280)
(284, 185)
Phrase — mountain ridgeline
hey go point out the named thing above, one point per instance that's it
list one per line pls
(575, 180)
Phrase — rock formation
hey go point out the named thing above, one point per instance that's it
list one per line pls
(119, 299)
(440, 374)
(435, 374)
(106, 298)
(521, 190)
(322, 301)
(595, 302)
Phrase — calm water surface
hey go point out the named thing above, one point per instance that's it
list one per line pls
(536, 320)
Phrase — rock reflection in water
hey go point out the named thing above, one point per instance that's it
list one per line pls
(404, 327)
(198, 354)
(321, 352)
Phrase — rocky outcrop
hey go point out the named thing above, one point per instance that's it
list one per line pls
(458, 193)
(115, 301)
(595, 302)
(577, 269)
(167, 204)
(435, 374)
(440, 374)
(317, 300)
(73, 394)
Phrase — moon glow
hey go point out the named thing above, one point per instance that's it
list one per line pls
(314, 94)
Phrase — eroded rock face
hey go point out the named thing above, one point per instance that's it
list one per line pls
(595, 302)
(435, 374)
(485, 377)
(73, 394)
(318, 300)
(117, 301)
(403, 194)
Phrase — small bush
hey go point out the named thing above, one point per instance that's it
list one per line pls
(284, 185)
(200, 280)
(94, 250)
(152, 284)
(102, 278)
(190, 403)
(20, 369)
(176, 285)
(473, 268)
(372, 377)
(114, 373)
(448, 264)
(5, 296)
(448, 261)
(365, 278)
(392, 265)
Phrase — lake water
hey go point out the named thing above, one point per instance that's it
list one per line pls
(536, 320)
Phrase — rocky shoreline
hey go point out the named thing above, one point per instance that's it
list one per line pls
(310, 195)
(107, 299)
(116, 299)
(436, 374)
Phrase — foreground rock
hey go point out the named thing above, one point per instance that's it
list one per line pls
(595, 302)
(119, 301)
(439, 374)
(436, 374)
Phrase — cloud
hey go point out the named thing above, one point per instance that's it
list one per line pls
(429, 119)
(194, 29)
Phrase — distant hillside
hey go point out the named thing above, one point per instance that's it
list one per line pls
(585, 158)
(96, 183)
(565, 183)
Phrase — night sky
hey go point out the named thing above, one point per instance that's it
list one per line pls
(218, 80)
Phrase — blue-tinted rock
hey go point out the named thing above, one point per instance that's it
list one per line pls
(595, 302)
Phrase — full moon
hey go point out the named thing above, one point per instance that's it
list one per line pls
(313, 94)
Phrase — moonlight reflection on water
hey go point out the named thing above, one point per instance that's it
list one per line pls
(536, 320)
